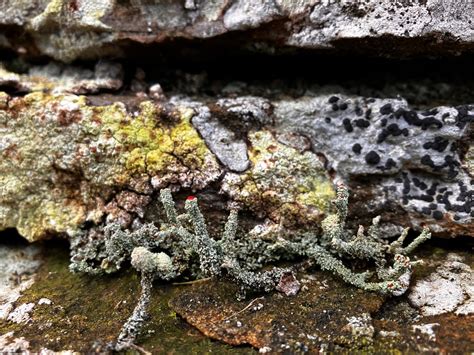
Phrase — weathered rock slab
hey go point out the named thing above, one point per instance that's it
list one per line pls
(72, 161)
(88, 29)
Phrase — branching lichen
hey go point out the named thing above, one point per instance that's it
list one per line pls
(394, 279)
(183, 245)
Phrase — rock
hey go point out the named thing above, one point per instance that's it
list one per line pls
(85, 313)
(230, 150)
(21, 314)
(65, 162)
(59, 78)
(449, 289)
(403, 164)
(17, 270)
(415, 154)
(8, 343)
(284, 185)
(325, 314)
(92, 29)
(71, 160)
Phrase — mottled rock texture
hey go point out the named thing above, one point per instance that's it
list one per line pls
(68, 159)
(65, 162)
(72, 161)
(68, 30)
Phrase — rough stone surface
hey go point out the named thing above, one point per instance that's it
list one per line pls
(17, 270)
(283, 184)
(323, 315)
(415, 154)
(230, 151)
(328, 316)
(64, 161)
(69, 159)
(89, 29)
(59, 78)
(449, 289)
(84, 313)
(104, 103)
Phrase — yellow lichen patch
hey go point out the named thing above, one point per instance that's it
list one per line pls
(87, 14)
(61, 158)
(150, 146)
(283, 184)
(49, 216)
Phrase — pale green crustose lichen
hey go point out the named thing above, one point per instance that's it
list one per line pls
(289, 187)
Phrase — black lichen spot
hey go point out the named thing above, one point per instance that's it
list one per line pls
(343, 106)
(327, 119)
(361, 123)
(347, 125)
(368, 114)
(431, 112)
(426, 160)
(359, 111)
(357, 148)
(399, 113)
(386, 109)
(425, 198)
(423, 186)
(439, 144)
(411, 117)
(383, 122)
(394, 130)
(333, 99)
(430, 121)
(382, 135)
(426, 210)
(390, 163)
(438, 215)
(463, 117)
(372, 158)
(335, 107)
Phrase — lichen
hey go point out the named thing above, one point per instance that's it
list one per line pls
(288, 187)
(184, 245)
(470, 160)
(62, 159)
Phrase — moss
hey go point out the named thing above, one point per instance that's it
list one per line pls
(88, 311)
(315, 316)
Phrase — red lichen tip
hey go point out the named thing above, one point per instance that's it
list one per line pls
(190, 198)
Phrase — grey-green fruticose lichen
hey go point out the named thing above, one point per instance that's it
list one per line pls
(183, 246)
